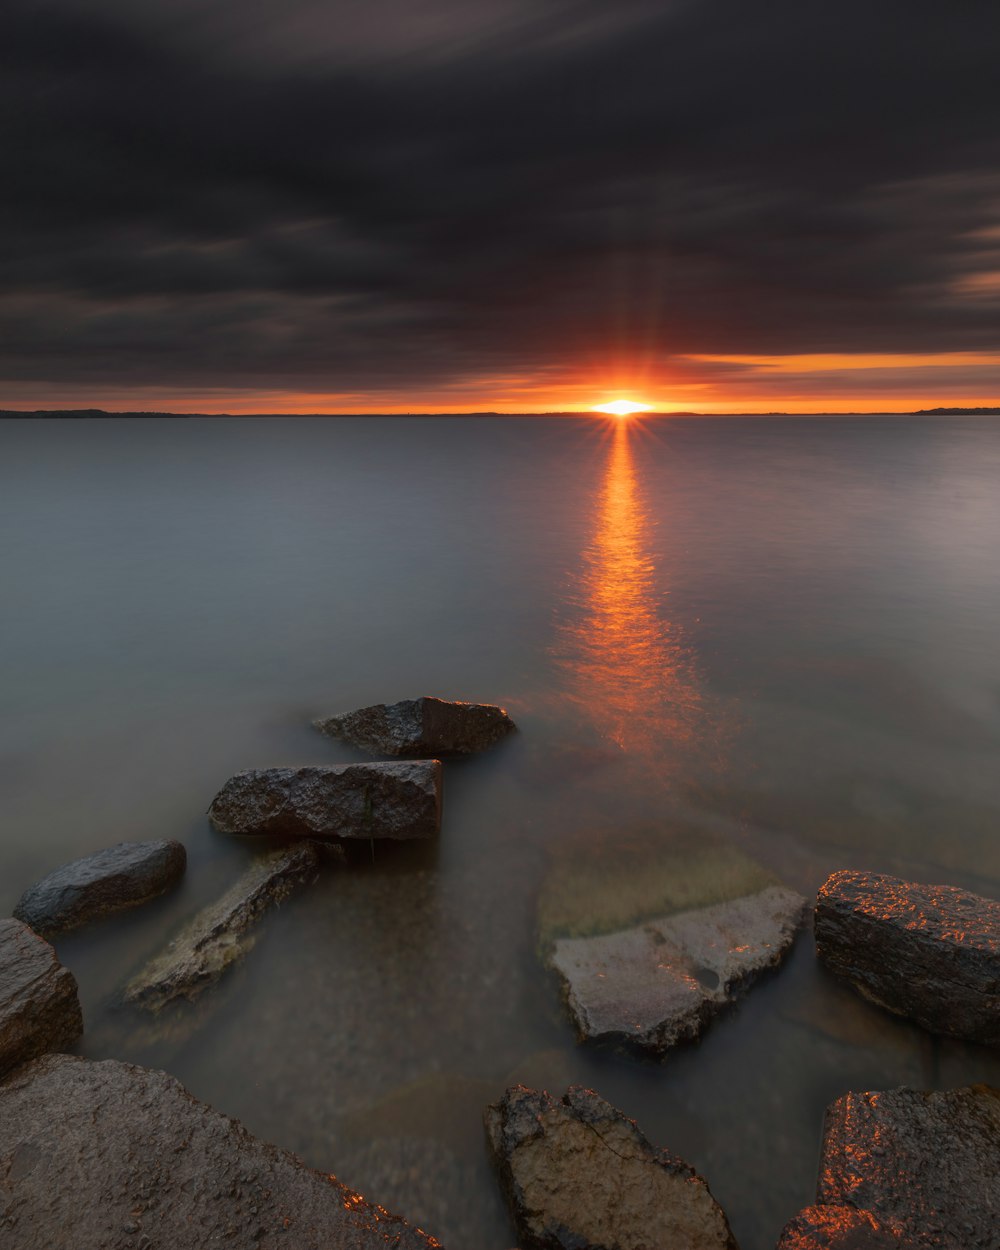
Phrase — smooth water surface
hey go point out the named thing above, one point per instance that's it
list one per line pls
(774, 635)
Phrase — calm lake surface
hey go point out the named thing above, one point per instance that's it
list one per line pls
(775, 635)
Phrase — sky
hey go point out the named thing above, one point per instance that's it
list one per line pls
(511, 205)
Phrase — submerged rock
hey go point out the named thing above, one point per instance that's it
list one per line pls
(39, 1007)
(839, 1228)
(223, 932)
(113, 1155)
(111, 880)
(579, 1175)
(339, 801)
(653, 937)
(661, 982)
(930, 953)
(923, 1164)
(421, 727)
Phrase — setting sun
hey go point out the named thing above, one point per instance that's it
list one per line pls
(622, 408)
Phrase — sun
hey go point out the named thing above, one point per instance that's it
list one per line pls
(622, 408)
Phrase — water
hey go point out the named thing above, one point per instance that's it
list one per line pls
(777, 635)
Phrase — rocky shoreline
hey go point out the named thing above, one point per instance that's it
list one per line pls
(646, 950)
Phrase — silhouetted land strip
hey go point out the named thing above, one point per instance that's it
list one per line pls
(83, 413)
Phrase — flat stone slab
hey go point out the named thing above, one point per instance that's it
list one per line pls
(107, 1154)
(111, 880)
(839, 1228)
(924, 1164)
(222, 933)
(661, 982)
(397, 800)
(421, 727)
(39, 1007)
(930, 953)
(579, 1175)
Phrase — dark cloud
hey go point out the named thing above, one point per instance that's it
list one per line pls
(354, 195)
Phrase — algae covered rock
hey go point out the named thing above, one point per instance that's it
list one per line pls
(112, 1155)
(108, 881)
(421, 727)
(930, 953)
(579, 1175)
(652, 937)
(923, 1164)
(223, 932)
(397, 800)
(39, 1007)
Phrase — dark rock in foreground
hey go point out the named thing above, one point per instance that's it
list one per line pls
(39, 1007)
(661, 982)
(421, 727)
(342, 801)
(839, 1228)
(107, 1154)
(111, 880)
(224, 931)
(925, 1165)
(930, 953)
(579, 1175)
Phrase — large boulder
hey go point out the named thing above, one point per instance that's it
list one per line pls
(222, 933)
(111, 880)
(39, 1007)
(923, 1164)
(839, 1228)
(339, 801)
(579, 1175)
(653, 937)
(930, 953)
(421, 727)
(107, 1154)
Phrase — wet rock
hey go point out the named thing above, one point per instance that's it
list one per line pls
(662, 982)
(839, 1228)
(224, 931)
(125, 1157)
(579, 1175)
(930, 953)
(111, 880)
(924, 1164)
(344, 801)
(421, 727)
(39, 1007)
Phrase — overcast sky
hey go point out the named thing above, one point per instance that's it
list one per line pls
(247, 204)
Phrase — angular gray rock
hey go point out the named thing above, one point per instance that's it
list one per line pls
(339, 801)
(930, 953)
(579, 1175)
(111, 880)
(39, 1007)
(421, 727)
(107, 1154)
(923, 1164)
(661, 982)
(223, 932)
(839, 1228)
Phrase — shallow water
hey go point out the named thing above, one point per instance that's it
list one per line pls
(778, 634)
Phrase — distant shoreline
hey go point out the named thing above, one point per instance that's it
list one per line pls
(97, 413)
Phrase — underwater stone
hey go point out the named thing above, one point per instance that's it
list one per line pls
(579, 1175)
(108, 1154)
(111, 880)
(839, 1228)
(398, 800)
(930, 953)
(39, 1007)
(421, 727)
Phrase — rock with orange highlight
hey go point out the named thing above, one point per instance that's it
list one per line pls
(579, 1175)
(924, 1165)
(417, 728)
(930, 953)
(839, 1228)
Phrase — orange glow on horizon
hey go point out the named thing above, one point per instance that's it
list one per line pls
(621, 408)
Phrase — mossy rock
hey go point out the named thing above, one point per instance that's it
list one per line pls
(614, 881)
